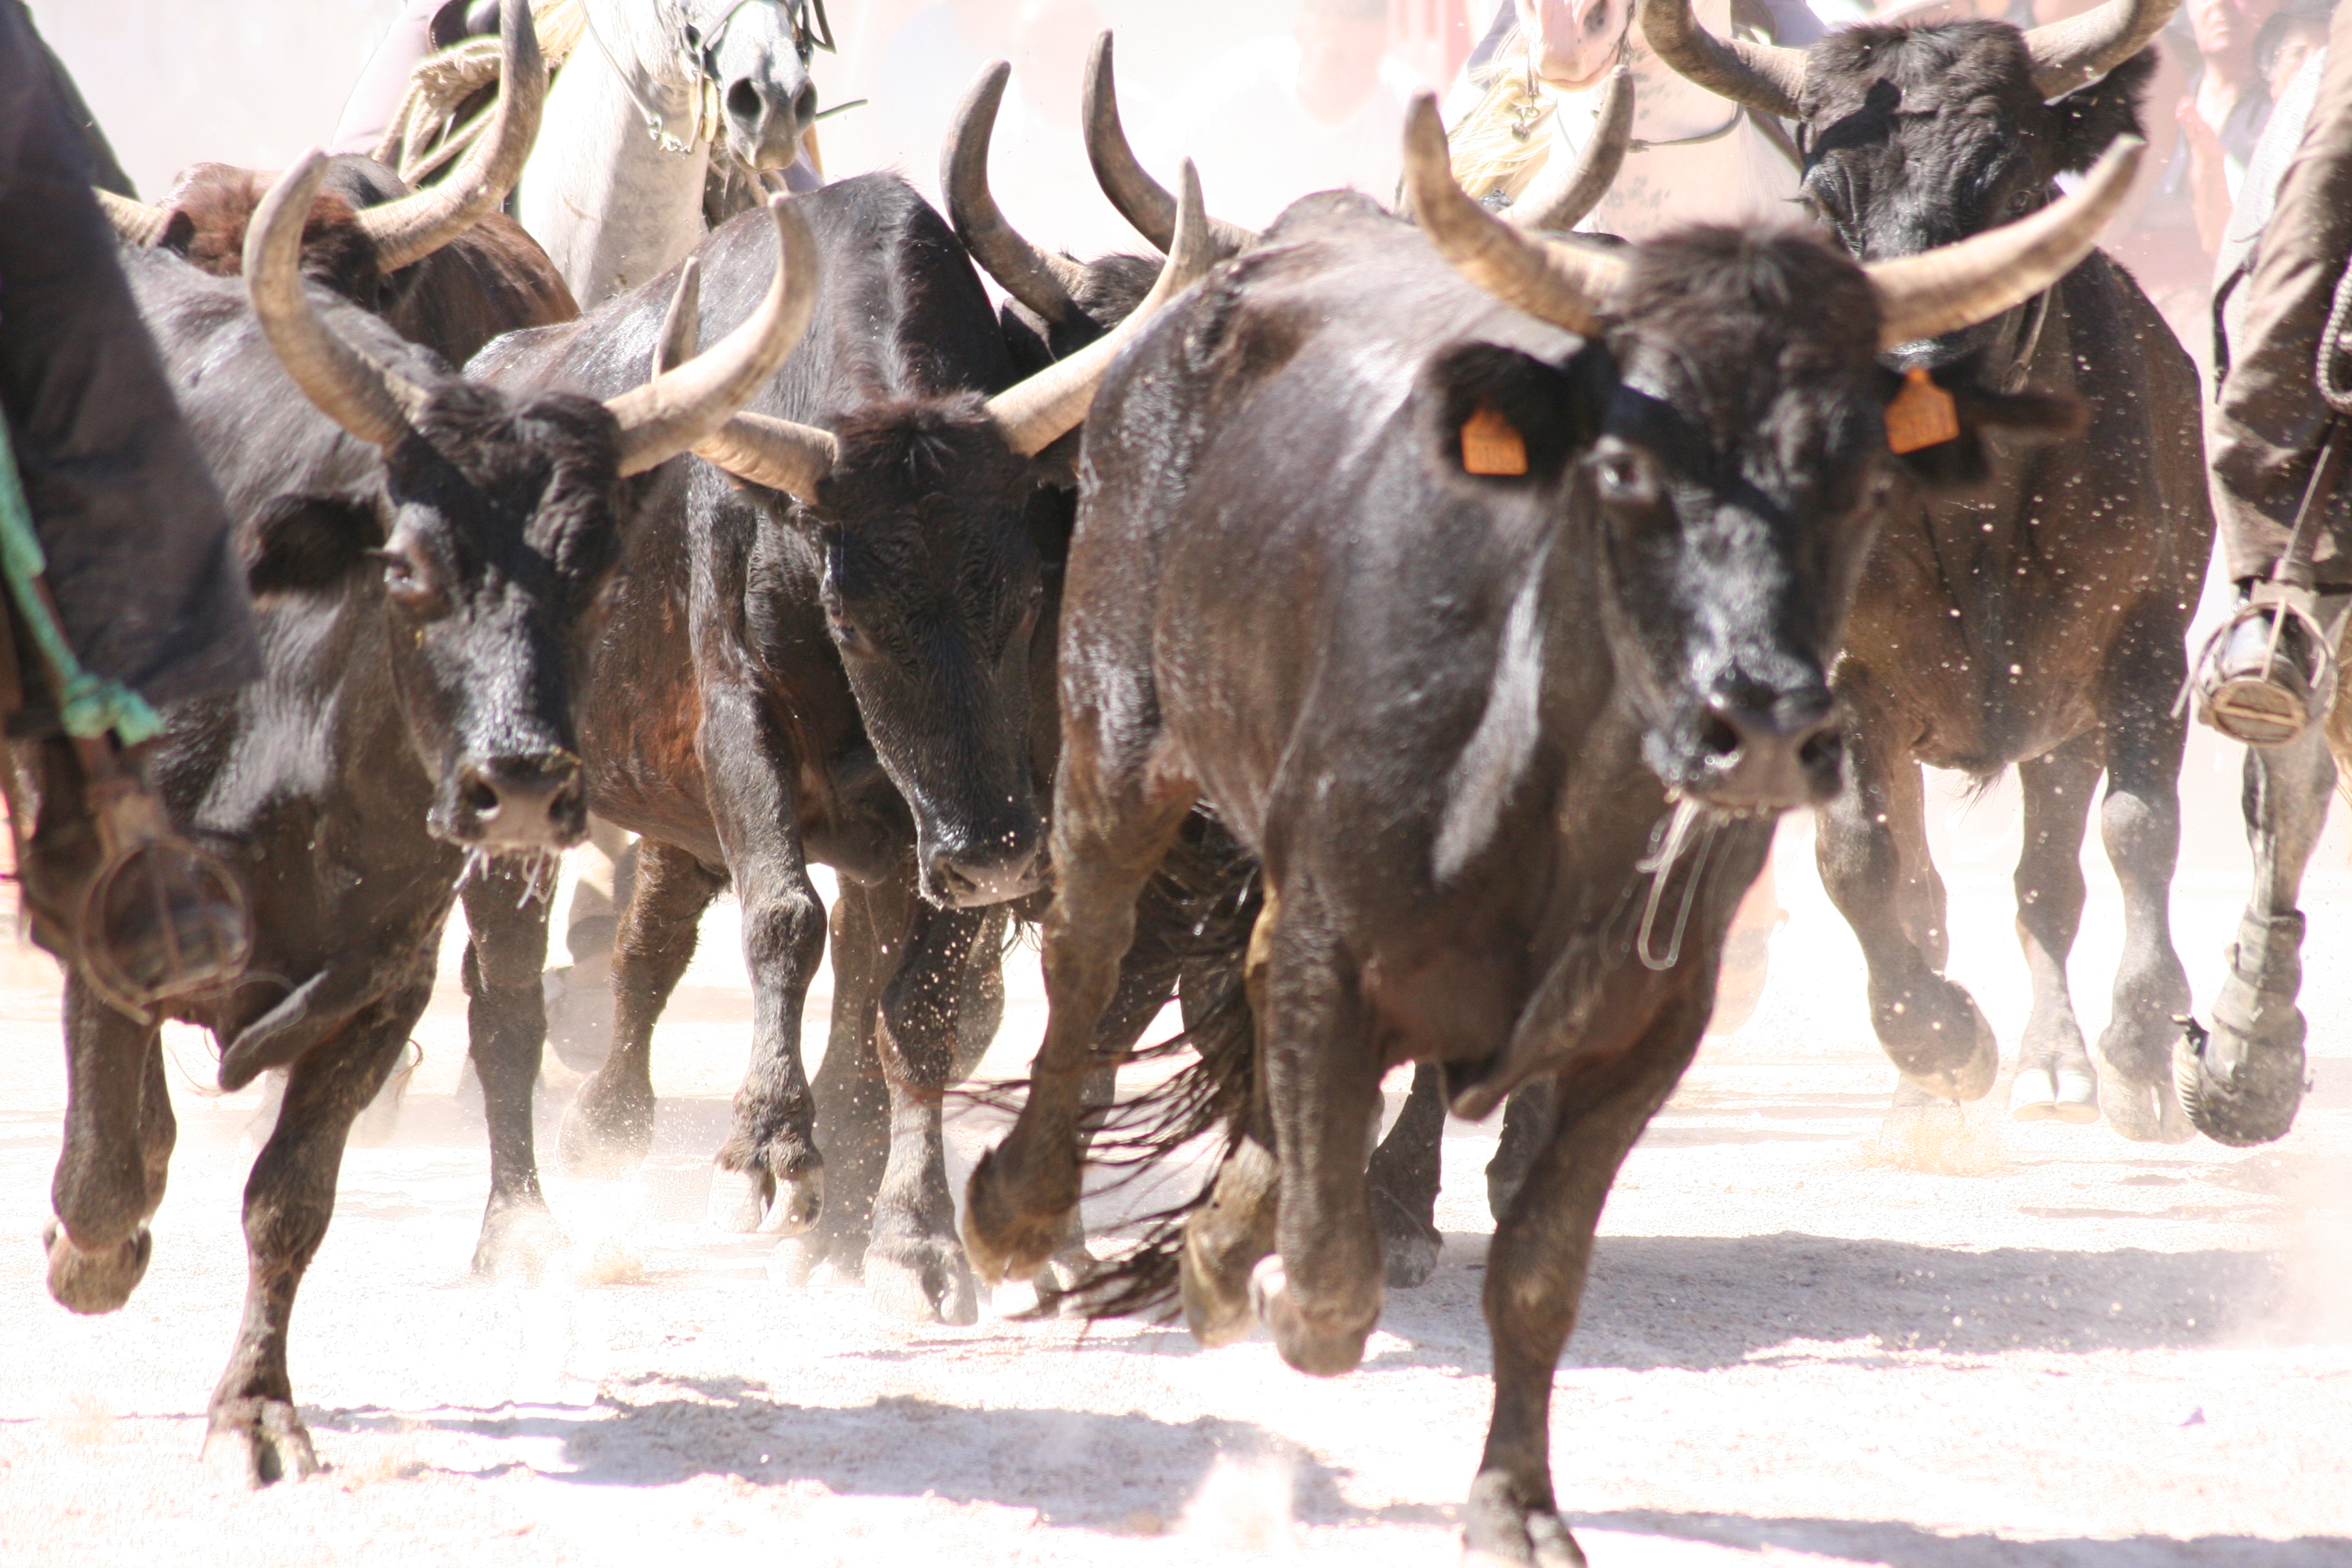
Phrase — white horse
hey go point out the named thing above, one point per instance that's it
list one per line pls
(614, 190)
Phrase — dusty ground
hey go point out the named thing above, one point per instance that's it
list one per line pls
(2038, 1346)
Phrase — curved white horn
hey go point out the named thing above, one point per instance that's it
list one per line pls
(413, 228)
(135, 222)
(347, 385)
(1560, 281)
(1141, 200)
(2086, 47)
(1956, 286)
(1052, 403)
(1560, 196)
(1761, 76)
(1046, 283)
(684, 407)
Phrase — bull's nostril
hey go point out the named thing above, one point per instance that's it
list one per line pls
(743, 103)
(1821, 750)
(481, 798)
(804, 105)
(1717, 736)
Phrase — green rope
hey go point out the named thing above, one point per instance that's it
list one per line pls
(87, 705)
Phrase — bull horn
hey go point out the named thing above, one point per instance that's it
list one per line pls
(686, 406)
(412, 227)
(1047, 284)
(1561, 196)
(1052, 403)
(350, 387)
(1956, 286)
(1558, 280)
(137, 223)
(1141, 200)
(757, 447)
(2086, 47)
(1764, 76)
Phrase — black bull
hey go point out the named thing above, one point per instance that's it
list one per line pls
(2040, 622)
(1448, 683)
(425, 577)
(840, 676)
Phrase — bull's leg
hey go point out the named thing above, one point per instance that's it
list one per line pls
(1109, 835)
(1527, 1123)
(2242, 1084)
(2140, 821)
(1873, 852)
(915, 1266)
(1535, 1279)
(1404, 1178)
(2053, 1065)
(256, 1436)
(1319, 1294)
(852, 1103)
(119, 1134)
(506, 1018)
(610, 1125)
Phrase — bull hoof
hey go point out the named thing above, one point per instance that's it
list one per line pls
(921, 1281)
(1002, 1240)
(1213, 1285)
(2254, 1104)
(757, 1202)
(97, 1281)
(1500, 1532)
(1319, 1350)
(2066, 1092)
(257, 1443)
(1938, 1038)
(609, 1128)
(519, 1242)
(1410, 1246)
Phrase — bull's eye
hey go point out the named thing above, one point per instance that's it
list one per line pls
(2021, 204)
(1622, 476)
(846, 637)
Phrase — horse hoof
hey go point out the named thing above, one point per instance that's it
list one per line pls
(2033, 1095)
(256, 1443)
(99, 1281)
(2078, 1097)
(519, 1242)
(921, 1282)
(2253, 1106)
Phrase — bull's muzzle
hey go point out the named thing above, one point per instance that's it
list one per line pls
(963, 878)
(520, 803)
(1767, 756)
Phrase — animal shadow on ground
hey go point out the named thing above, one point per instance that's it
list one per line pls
(1899, 1545)
(1075, 1468)
(1701, 1304)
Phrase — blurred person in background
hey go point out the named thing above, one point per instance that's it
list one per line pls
(2222, 114)
(1530, 92)
(1280, 117)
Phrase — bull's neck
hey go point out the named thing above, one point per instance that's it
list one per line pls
(610, 203)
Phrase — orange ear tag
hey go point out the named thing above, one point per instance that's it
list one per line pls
(1921, 415)
(1492, 444)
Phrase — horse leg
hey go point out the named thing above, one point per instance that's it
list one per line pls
(256, 1436)
(1872, 853)
(506, 1019)
(2242, 1084)
(2140, 821)
(119, 1134)
(1535, 1279)
(2053, 1066)
(610, 1124)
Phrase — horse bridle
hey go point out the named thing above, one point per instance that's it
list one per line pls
(697, 50)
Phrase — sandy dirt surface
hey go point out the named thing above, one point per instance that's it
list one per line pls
(2037, 1346)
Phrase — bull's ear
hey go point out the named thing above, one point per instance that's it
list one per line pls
(1958, 466)
(2092, 118)
(307, 545)
(1498, 415)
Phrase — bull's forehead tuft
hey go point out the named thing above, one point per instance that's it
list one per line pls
(1936, 69)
